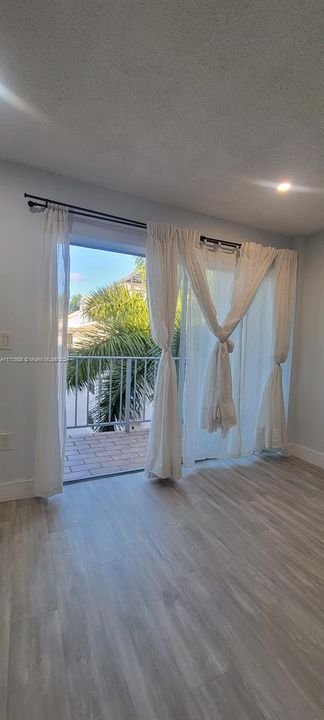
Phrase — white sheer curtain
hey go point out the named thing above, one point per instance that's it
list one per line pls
(163, 458)
(272, 426)
(218, 410)
(250, 362)
(240, 291)
(51, 376)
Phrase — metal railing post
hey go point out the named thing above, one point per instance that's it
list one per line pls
(128, 393)
(137, 380)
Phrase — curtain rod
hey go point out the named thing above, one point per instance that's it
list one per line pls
(41, 202)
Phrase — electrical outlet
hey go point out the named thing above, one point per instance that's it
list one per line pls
(5, 441)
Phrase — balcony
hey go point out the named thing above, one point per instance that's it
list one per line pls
(109, 410)
(96, 454)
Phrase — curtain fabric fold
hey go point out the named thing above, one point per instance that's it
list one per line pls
(163, 458)
(218, 411)
(51, 380)
(251, 362)
(271, 429)
(166, 246)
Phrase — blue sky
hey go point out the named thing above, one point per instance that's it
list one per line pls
(93, 268)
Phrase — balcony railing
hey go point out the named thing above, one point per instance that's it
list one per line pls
(111, 391)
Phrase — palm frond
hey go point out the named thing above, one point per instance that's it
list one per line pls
(140, 267)
(100, 343)
(121, 330)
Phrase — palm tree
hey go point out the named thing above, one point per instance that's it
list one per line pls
(75, 302)
(121, 329)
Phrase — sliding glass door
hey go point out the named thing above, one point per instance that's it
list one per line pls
(251, 362)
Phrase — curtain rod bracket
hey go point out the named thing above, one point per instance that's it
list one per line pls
(219, 243)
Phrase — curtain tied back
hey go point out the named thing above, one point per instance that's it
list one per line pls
(163, 457)
(271, 431)
(218, 411)
(166, 246)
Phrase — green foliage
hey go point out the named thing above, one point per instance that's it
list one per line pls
(115, 304)
(140, 268)
(121, 328)
(75, 303)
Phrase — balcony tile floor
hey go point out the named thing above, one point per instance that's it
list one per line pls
(104, 453)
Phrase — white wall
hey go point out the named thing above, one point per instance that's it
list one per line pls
(20, 252)
(306, 419)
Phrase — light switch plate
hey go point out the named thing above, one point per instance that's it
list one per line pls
(5, 340)
(5, 441)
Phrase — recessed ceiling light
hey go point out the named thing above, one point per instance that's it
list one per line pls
(284, 186)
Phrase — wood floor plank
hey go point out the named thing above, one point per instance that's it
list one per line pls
(60, 513)
(133, 600)
(6, 562)
(153, 678)
(33, 587)
(277, 694)
(7, 511)
(4, 663)
(6, 566)
(228, 698)
(37, 673)
(75, 605)
(302, 660)
(198, 651)
(95, 683)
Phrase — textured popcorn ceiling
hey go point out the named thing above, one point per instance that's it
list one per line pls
(196, 104)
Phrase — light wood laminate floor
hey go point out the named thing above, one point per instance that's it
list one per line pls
(125, 599)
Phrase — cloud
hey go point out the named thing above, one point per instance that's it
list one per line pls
(76, 277)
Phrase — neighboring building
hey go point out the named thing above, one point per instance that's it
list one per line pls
(78, 321)
(134, 282)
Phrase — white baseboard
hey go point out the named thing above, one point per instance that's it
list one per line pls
(304, 453)
(16, 490)
(21, 489)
